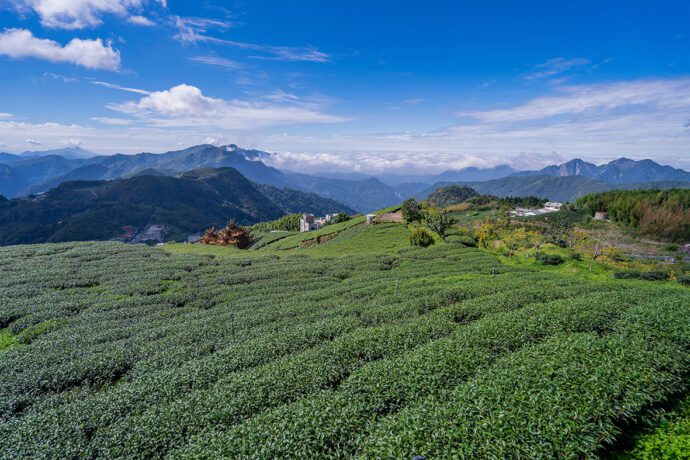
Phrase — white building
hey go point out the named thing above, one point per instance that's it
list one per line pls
(553, 206)
(549, 206)
(308, 222)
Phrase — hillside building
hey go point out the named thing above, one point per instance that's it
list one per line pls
(549, 206)
(308, 222)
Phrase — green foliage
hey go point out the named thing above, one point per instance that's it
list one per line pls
(548, 259)
(411, 210)
(30, 334)
(438, 221)
(451, 194)
(663, 213)
(668, 440)
(442, 352)
(339, 218)
(684, 279)
(420, 236)
(7, 340)
(289, 223)
(529, 201)
(461, 239)
(486, 233)
(640, 275)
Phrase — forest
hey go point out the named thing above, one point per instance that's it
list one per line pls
(663, 213)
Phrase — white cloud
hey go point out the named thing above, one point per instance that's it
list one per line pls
(92, 54)
(33, 142)
(5, 115)
(186, 105)
(73, 142)
(555, 66)
(79, 14)
(140, 21)
(597, 122)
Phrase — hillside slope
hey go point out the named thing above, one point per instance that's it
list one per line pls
(127, 351)
(97, 210)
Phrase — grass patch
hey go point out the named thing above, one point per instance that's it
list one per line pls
(7, 339)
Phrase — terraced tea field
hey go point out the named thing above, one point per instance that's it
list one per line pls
(116, 351)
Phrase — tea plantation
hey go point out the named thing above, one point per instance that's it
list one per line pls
(291, 351)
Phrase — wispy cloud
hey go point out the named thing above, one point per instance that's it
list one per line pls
(113, 121)
(56, 76)
(92, 54)
(5, 115)
(216, 61)
(596, 99)
(194, 30)
(33, 142)
(120, 88)
(554, 67)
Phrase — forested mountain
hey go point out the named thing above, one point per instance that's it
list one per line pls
(97, 210)
(34, 172)
(566, 188)
(621, 171)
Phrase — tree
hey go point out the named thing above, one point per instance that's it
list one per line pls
(411, 210)
(438, 221)
(420, 236)
(485, 234)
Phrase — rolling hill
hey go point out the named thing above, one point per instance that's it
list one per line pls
(190, 351)
(97, 210)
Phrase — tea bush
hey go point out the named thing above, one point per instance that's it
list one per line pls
(116, 351)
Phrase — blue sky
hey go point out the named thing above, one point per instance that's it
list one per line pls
(365, 86)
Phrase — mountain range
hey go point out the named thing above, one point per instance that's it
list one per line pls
(620, 171)
(188, 204)
(37, 172)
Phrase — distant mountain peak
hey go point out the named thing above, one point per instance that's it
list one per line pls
(72, 153)
(622, 170)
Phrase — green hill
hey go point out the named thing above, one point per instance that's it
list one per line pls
(451, 194)
(339, 343)
(97, 210)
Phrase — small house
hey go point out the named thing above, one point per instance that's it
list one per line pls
(601, 215)
(309, 222)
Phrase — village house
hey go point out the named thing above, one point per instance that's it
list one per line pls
(549, 206)
(309, 222)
